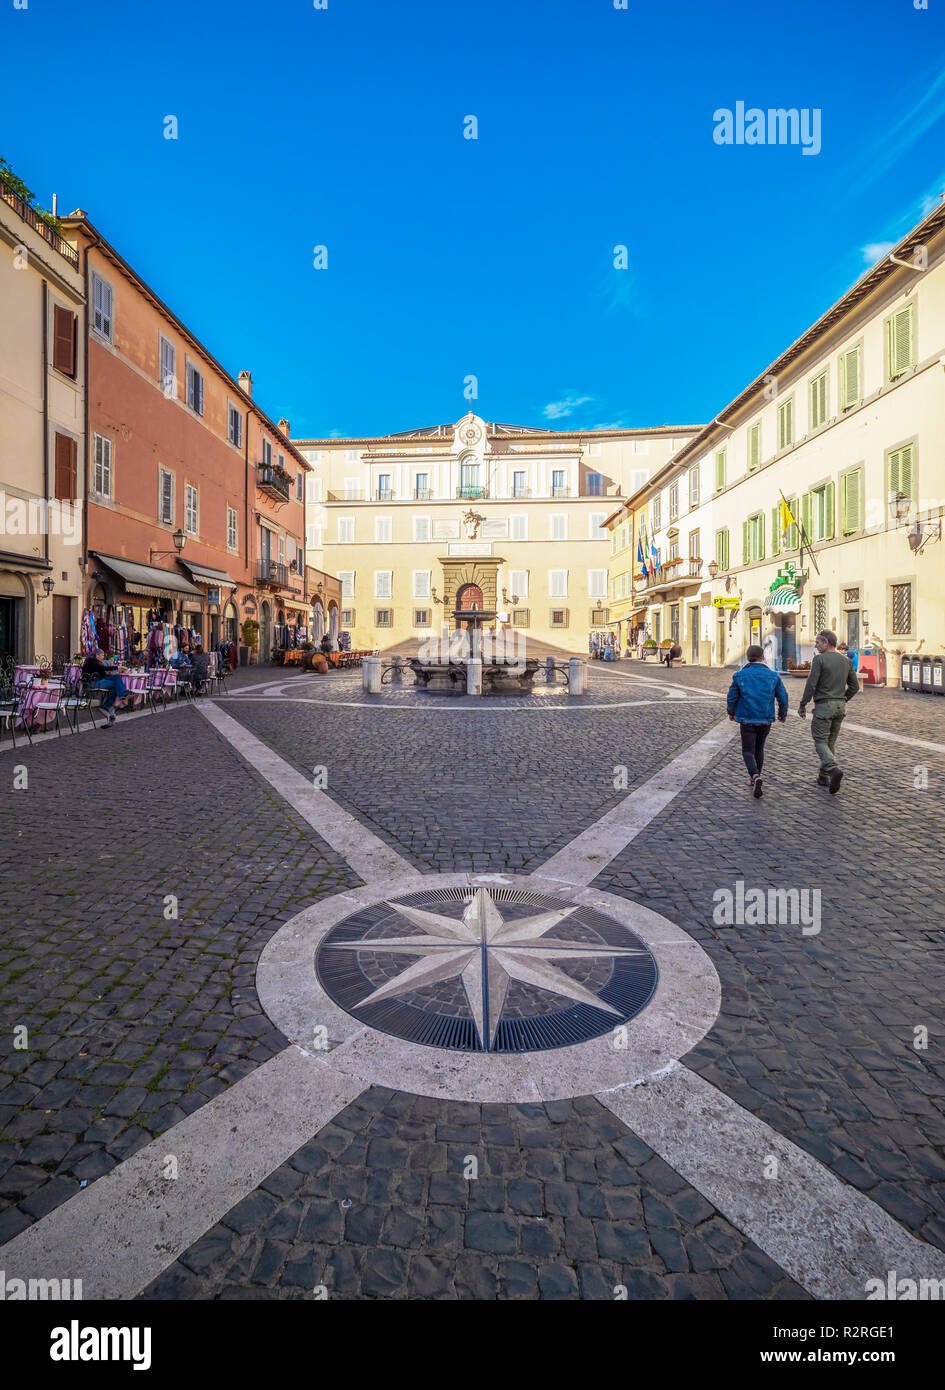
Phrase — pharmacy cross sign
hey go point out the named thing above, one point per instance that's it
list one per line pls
(496, 964)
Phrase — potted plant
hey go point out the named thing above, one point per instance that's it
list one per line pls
(250, 631)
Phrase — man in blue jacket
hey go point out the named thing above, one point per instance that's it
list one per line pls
(751, 699)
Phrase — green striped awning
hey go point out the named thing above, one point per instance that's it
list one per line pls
(783, 599)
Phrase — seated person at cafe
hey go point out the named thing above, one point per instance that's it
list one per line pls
(105, 678)
(180, 661)
(199, 669)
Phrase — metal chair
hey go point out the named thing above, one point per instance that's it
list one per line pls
(9, 709)
(51, 701)
(78, 696)
(155, 687)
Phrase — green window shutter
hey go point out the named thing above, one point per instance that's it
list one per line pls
(785, 425)
(725, 549)
(828, 512)
(899, 342)
(720, 470)
(754, 446)
(775, 530)
(791, 541)
(760, 527)
(818, 401)
(850, 379)
(851, 502)
(906, 473)
(746, 542)
(805, 516)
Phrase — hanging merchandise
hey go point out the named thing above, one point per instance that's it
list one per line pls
(344, 641)
(90, 640)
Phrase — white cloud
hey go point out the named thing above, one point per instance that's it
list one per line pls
(875, 251)
(610, 425)
(557, 410)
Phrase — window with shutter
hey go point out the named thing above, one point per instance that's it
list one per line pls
(421, 583)
(165, 497)
(829, 512)
(190, 509)
(382, 530)
(597, 583)
(902, 473)
(518, 528)
(720, 470)
(850, 379)
(900, 354)
(232, 521)
(818, 401)
(421, 528)
(66, 451)
(786, 424)
(382, 583)
(674, 502)
(559, 528)
(168, 367)
(695, 486)
(101, 306)
(790, 536)
(595, 529)
(345, 530)
(64, 330)
(850, 503)
(775, 530)
(558, 583)
(102, 466)
(721, 549)
(746, 542)
(805, 517)
(754, 446)
(347, 583)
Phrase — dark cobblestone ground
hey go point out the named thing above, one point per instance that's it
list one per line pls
(568, 1204)
(478, 791)
(133, 1021)
(816, 1032)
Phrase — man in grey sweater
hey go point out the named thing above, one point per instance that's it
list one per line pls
(831, 685)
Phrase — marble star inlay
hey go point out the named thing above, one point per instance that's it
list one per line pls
(486, 953)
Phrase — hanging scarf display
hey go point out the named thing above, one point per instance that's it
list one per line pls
(90, 640)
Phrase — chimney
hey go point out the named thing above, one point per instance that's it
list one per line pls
(284, 427)
(246, 382)
(55, 205)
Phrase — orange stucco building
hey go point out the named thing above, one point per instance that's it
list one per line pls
(195, 504)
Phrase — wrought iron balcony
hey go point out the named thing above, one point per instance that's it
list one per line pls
(351, 494)
(272, 574)
(384, 494)
(472, 493)
(521, 492)
(274, 482)
(422, 494)
(560, 491)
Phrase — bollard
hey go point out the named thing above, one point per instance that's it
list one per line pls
(473, 676)
(549, 670)
(371, 674)
(577, 675)
(396, 670)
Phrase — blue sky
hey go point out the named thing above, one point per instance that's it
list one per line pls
(449, 257)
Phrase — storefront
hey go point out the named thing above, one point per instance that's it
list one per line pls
(217, 587)
(135, 607)
(782, 605)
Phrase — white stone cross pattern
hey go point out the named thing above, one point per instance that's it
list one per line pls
(487, 953)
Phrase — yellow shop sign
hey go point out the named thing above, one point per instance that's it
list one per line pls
(722, 602)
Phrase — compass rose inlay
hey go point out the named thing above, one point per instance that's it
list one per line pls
(516, 971)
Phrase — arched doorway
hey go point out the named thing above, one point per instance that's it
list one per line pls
(230, 623)
(468, 599)
(265, 631)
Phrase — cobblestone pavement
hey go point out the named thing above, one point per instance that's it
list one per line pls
(479, 790)
(567, 1203)
(134, 1020)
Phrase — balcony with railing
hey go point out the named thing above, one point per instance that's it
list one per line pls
(472, 492)
(274, 482)
(521, 491)
(272, 574)
(350, 494)
(29, 215)
(384, 494)
(560, 490)
(422, 494)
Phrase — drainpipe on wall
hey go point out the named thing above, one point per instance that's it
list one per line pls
(46, 414)
(85, 468)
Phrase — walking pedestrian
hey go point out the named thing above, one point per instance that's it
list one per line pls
(831, 686)
(751, 701)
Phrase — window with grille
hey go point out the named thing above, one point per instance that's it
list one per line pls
(347, 617)
(900, 351)
(901, 610)
(520, 617)
(190, 509)
(102, 466)
(421, 617)
(232, 521)
(165, 497)
(851, 597)
(559, 617)
(818, 401)
(819, 613)
(382, 617)
(599, 616)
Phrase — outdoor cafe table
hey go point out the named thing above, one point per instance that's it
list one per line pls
(136, 683)
(21, 674)
(28, 714)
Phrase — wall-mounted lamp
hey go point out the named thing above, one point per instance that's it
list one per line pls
(713, 569)
(48, 586)
(178, 538)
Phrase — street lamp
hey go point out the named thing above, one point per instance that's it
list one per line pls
(48, 586)
(178, 538)
(713, 569)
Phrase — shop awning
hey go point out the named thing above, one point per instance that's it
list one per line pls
(148, 579)
(203, 574)
(783, 599)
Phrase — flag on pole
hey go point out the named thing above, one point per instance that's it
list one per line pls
(787, 520)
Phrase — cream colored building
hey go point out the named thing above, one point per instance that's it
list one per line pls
(847, 425)
(509, 519)
(42, 441)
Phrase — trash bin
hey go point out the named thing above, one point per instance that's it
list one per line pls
(925, 676)
(915, 678)
(905, 672)
(938, 675)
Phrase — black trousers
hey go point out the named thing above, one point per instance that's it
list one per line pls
(753, 746)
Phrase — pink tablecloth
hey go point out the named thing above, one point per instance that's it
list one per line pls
(27, 712)
(136, 686)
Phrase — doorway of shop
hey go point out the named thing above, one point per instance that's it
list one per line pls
(8, 633)
(694, 635)
(853, 628)
(61, 629)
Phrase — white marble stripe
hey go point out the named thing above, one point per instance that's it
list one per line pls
(590, 852)
(365, 853)
(829, 1237)
(447, 706)
(122, 1231)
